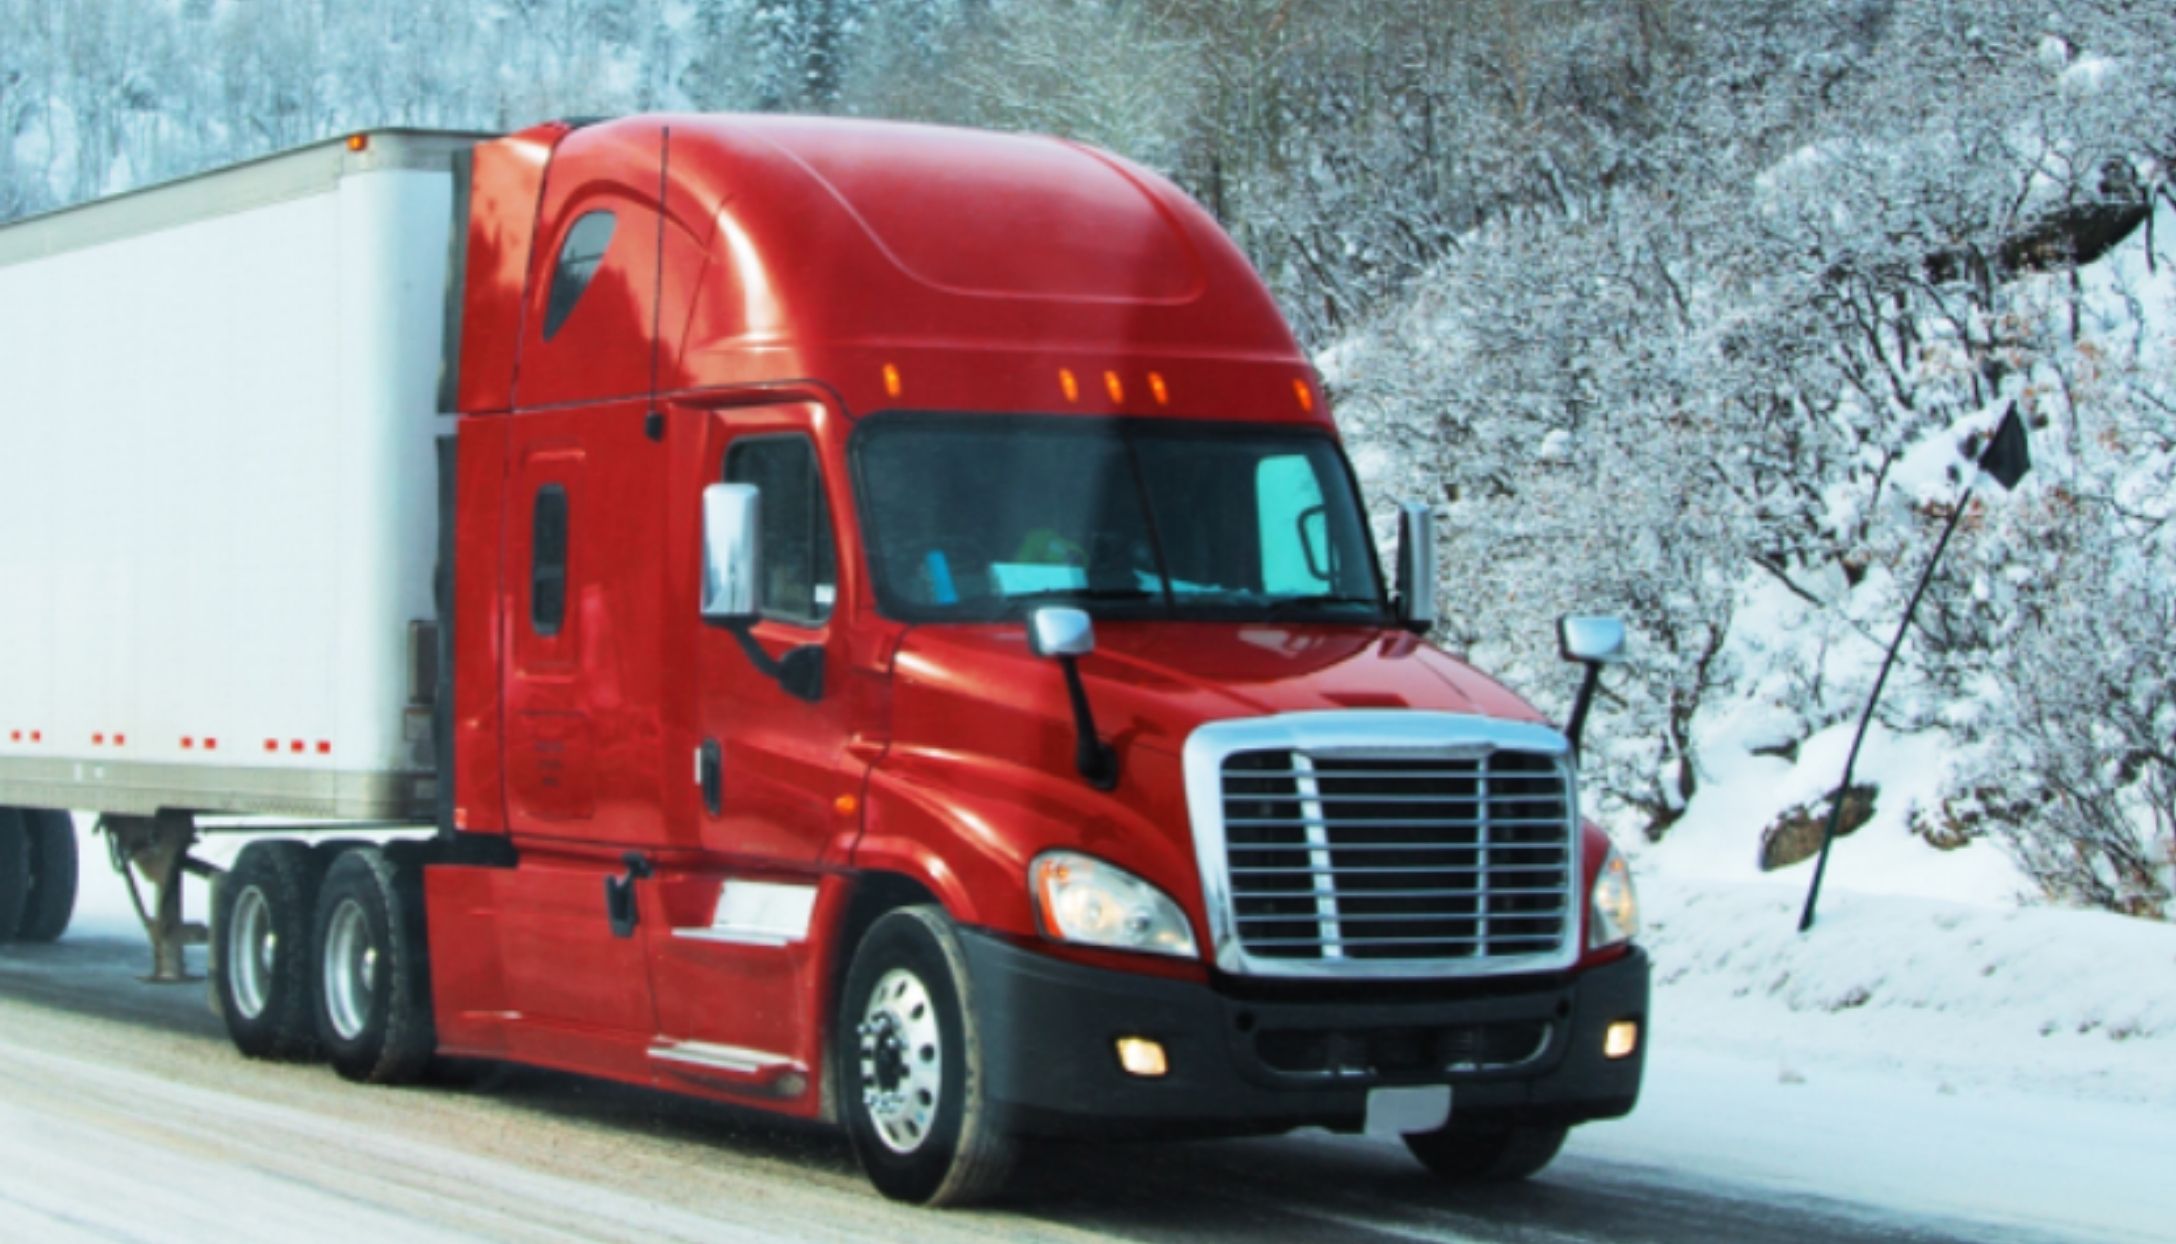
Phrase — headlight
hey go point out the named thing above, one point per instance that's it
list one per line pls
(1082, 899)
(1616, 907)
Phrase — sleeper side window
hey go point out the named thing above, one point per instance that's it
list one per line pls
(548, 560)
(579, 257)
(800, 576)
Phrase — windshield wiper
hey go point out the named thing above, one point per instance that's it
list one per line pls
(1322, 600)
(1083, 594)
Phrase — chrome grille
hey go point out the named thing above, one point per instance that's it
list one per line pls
(1467, 858)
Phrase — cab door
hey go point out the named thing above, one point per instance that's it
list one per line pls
(776, 778)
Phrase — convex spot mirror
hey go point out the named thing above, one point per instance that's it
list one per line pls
(1596, 640)
(1058, 631)
(732, 556)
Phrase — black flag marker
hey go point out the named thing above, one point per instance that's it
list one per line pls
(2006, 458)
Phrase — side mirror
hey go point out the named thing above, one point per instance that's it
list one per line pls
(1056, 631)
(1065, 635)
(732, 554)
(1416, 567)
(1595, 640)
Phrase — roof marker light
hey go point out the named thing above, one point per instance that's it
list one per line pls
(892, 382)
(358, 142)
(1157, 388)
(1114, 386)
(1305, 394)
(1069, 384)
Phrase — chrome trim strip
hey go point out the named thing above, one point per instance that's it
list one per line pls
(731, 1059)
(1387, 734)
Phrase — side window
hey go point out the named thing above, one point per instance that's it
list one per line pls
(548, 560)
(579, 257)
(800, 579)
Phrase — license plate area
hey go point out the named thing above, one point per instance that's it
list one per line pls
(1395, 1112)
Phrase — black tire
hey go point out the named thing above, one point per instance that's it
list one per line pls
(1486, 1154)
(373, 995)
(51, 903)
(262, 968)
(14, 872)
(948, 1147)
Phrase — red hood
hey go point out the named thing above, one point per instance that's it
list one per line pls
(979, 689)
(983, 743)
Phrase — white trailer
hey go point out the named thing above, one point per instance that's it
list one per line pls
(218, 496)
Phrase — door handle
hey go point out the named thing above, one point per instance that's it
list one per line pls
(710, 775)
(619, 894)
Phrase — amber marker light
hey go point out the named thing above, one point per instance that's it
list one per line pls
(846, 805)
(1143, 1057)
(1114, 386)
(1622, 1039)
(1068, 382)
(892, 383)
(1305, 394)
(358, 142)
(1158, 390)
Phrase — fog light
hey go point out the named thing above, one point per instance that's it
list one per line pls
(1142, 1057)
(1622, 1039)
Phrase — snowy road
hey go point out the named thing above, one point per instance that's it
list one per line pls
(124, 1115)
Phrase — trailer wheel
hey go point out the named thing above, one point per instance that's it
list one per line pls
(53, 867)
(910, 1066)
(14, 871)
(1486, 1154)
(261, 965)
(374, 990)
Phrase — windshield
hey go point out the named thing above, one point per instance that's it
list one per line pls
(980, 518)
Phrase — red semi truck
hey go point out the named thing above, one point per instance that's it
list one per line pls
(864, 621)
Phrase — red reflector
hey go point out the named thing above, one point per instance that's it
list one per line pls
(295, 747)
(271, 745)
(98, 740)
(187, 743)
(15, 736)
(324, 748)
(119, 739)
(211, 745)
(37, 736)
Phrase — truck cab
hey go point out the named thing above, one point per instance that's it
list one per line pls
(920, 641)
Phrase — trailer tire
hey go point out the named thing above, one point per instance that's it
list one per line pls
(51, 903)
(262, 970)
(373, 998)
(1486, 1154)
(910, 1066)
(14, 871)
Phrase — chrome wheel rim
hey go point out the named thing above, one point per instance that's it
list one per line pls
(902, 1061)
(351, 969)
(252, 949)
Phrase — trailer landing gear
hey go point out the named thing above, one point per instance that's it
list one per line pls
(158, 849)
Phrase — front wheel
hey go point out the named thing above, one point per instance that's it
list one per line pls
(1467, 1154)
(374, 990)
(910, 1066)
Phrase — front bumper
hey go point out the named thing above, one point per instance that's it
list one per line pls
(1521, 1050)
